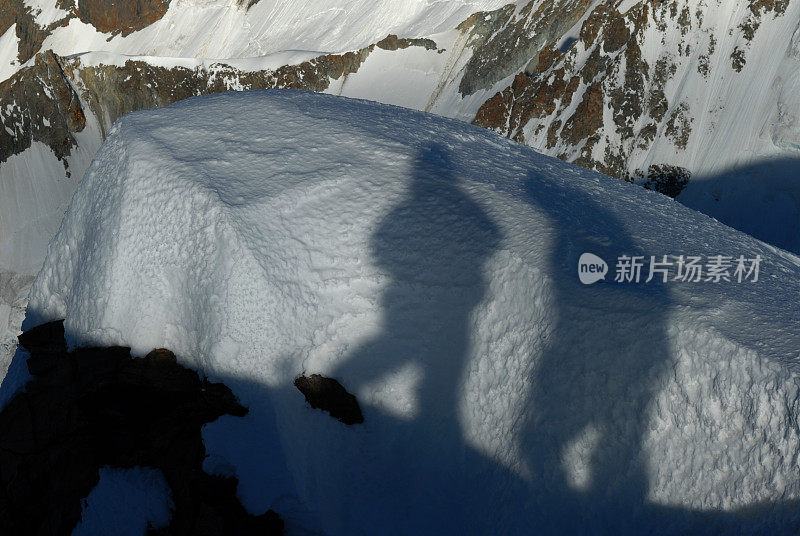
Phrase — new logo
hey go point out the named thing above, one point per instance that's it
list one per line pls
(591, 268)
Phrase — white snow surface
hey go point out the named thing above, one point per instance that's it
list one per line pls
(431, 267)
(223, 28)
(9, 46)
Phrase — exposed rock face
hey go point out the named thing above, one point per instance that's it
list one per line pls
(329, 395)
(504, 40)
(669, 180)
(39, 104)
(562, 101)
(29, 33)
(97, 407)
(392, 42)
(602, 102)
(108, 16)
(113, 16)
(9, 12)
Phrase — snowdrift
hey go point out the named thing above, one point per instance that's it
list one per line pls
(432, 268)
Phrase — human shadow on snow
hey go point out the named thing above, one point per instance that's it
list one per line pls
(586, 417)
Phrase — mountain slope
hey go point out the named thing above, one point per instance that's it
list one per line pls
(432, 268)
(222, 28)
(656, 92)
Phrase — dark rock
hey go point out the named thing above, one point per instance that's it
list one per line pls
(46, 338)
(505, 40)
(392, 42)
(327, 394)
(40, 105)
(620, 85)
(96, 407)
(115, 17)
(9, 13)
(664, 178)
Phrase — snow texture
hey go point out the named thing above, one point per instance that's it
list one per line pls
(740, 121)
(431, 267)
(224, 29)
(124, 502)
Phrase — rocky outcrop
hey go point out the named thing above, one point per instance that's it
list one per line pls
(392, 42)
(97, 407)
(30, 34)
(666, 179)
(108, 16)
(600, 92)
(39, 104)
(505, 40)
(117, 17)
(329, 395)
(601, 102)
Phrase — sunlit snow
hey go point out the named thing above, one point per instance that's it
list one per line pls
(431, 267)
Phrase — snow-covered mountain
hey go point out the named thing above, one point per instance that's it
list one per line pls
(432, 267)
(647, 90)
(659, 92)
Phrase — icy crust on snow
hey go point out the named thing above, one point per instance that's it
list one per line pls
(431, 267)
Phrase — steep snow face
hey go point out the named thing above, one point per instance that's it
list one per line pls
(432, 268)
(230, 29)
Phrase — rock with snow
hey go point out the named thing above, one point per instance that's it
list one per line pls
(432, 268)
(120, 436)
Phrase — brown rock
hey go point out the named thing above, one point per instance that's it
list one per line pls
(328, 395)
(121, 17)
(47, 97)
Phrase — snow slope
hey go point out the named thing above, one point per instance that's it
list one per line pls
(761, 199)
(225, 29)
(431, 267)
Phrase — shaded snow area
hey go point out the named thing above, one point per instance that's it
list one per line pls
(431, 267)
(124, 502)
(761, 199)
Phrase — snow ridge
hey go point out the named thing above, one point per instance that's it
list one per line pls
(430, 266)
